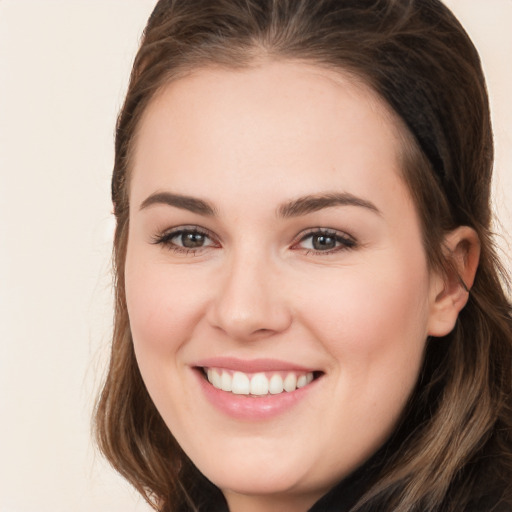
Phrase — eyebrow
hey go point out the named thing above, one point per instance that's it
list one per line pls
(312, 203)
(294, 208)
(189, 203)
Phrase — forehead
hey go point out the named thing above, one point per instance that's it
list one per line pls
(260, 122)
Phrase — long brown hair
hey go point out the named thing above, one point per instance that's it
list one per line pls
(457, 427)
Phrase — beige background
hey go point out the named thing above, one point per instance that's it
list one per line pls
(64, 66)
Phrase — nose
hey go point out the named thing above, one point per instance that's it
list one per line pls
(250, 303)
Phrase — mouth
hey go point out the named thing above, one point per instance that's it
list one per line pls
(258, 384)
(257, 389)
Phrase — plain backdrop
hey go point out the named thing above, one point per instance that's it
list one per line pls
(64, 68)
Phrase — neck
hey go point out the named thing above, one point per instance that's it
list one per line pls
(270, 503)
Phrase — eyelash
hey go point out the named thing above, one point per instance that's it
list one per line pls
(342, 241)
(166, 238)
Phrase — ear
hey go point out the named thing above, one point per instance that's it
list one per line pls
(450, 290)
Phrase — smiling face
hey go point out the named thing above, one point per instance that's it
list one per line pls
(275, 251)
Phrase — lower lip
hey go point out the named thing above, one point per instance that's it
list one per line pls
(246, 407)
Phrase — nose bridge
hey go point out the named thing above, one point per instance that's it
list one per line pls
(248, 303)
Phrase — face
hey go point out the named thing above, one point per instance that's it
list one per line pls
(277, 288)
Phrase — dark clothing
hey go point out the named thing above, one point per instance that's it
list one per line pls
(345, 495)
(348, 492)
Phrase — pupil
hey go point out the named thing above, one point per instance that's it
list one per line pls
(324, 242)
(192, 240)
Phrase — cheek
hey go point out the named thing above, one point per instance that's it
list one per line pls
(163, 306)
(163, 310)
(372, 321)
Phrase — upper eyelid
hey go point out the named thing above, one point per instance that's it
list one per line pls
(324, 231)
(187, 228)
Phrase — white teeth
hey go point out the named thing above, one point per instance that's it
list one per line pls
(258, 384)
(276, 384)
(226, 381)
(240, 384)
(302, 381)
(290, 382)
(216, 379)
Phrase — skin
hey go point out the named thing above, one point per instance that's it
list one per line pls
(248, 142)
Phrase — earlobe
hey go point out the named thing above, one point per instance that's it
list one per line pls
(450, 291)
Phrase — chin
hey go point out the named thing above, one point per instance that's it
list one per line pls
(252, 478)
(268, 478)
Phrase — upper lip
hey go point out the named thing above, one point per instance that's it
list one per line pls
(251, 365)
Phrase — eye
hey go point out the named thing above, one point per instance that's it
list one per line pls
(325, 241)
(190, 240)
(187, 240)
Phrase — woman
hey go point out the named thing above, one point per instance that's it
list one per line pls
(310, 314)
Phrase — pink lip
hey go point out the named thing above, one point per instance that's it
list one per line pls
(250, 366)
(250, 408)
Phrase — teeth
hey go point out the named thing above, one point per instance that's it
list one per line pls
(302, 381)
(276, 385)
(226, 382)
(257, 384)
(290, 382)
(216, 379)
(241, 384)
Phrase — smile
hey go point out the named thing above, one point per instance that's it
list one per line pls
(257, 384)
(255, 390)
